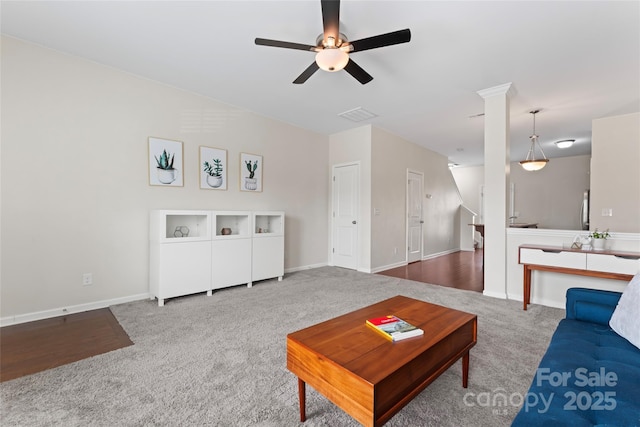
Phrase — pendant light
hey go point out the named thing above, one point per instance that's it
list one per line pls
(532, 164)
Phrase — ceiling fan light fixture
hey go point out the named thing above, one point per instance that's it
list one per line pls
(531, 164)
(332, 48)
(332, 59)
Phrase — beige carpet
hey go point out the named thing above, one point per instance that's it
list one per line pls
(221, 360)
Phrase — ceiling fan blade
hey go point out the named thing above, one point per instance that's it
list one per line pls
(306, 73)
(357, 72)
(388, 39)
(331, 18)
(286, 45)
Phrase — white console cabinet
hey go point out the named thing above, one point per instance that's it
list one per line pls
(231, 253)
(267, 256)
(179, 253)
(618, 265)
(199, 251)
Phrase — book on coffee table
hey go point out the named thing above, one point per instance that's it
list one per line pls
(394, 328)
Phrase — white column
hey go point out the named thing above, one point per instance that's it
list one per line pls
(496, 181)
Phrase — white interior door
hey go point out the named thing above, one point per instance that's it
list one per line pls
(414, 216)
(345, 216)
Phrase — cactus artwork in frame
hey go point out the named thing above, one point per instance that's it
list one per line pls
(213, 168)
(165, 162)
(251, 166)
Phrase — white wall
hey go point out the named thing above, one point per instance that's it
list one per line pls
(349, 147)
(615, 173)
(469, 180)
(550, 197)
(391, 157)
(615, 183)
(384, 159)
(75, 192)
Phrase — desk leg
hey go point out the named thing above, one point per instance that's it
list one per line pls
(302, 397)
(526, 297)
(465, 370)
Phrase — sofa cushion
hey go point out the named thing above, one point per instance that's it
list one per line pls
(577, 296)
(593, 312)
(626, 317)
(590, 376)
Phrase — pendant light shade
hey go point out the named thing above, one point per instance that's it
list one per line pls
(531, 164)
(332, 59)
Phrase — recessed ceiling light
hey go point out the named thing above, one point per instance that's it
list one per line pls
(566, 143)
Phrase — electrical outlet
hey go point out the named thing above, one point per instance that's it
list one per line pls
(87, 279)
(395, 251)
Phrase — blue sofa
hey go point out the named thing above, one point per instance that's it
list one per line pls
(590, 375)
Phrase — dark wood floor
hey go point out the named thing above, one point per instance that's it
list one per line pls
(32, 347)
(461, 270)
(36, 346)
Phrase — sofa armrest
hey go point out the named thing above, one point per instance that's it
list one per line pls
(591, 305)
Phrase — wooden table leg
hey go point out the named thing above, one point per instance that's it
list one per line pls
(465, 370)
(526, 297)
(302, 397)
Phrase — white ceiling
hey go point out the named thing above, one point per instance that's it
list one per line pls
(576, 61)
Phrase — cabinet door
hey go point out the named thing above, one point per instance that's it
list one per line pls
(268, 257)
(230, 262)
(184, 268)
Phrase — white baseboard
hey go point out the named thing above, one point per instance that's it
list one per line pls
(388, 267)
(403, 263)
(305, 267)
(549, 303)
(514, 297)
(62, 311)
(437, 254)
(500, 295)
(539, 301)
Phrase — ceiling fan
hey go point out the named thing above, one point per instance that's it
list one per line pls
(332, 47)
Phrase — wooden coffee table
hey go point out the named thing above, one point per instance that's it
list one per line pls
(370, 377)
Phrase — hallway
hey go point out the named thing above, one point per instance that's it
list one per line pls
(461, 270)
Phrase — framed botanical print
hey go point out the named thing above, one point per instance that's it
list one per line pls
(213, 168)
(251, 166)
(165, 162)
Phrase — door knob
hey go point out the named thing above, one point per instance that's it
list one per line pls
(353, 222)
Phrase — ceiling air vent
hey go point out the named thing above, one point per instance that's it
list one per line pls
(357, 115)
